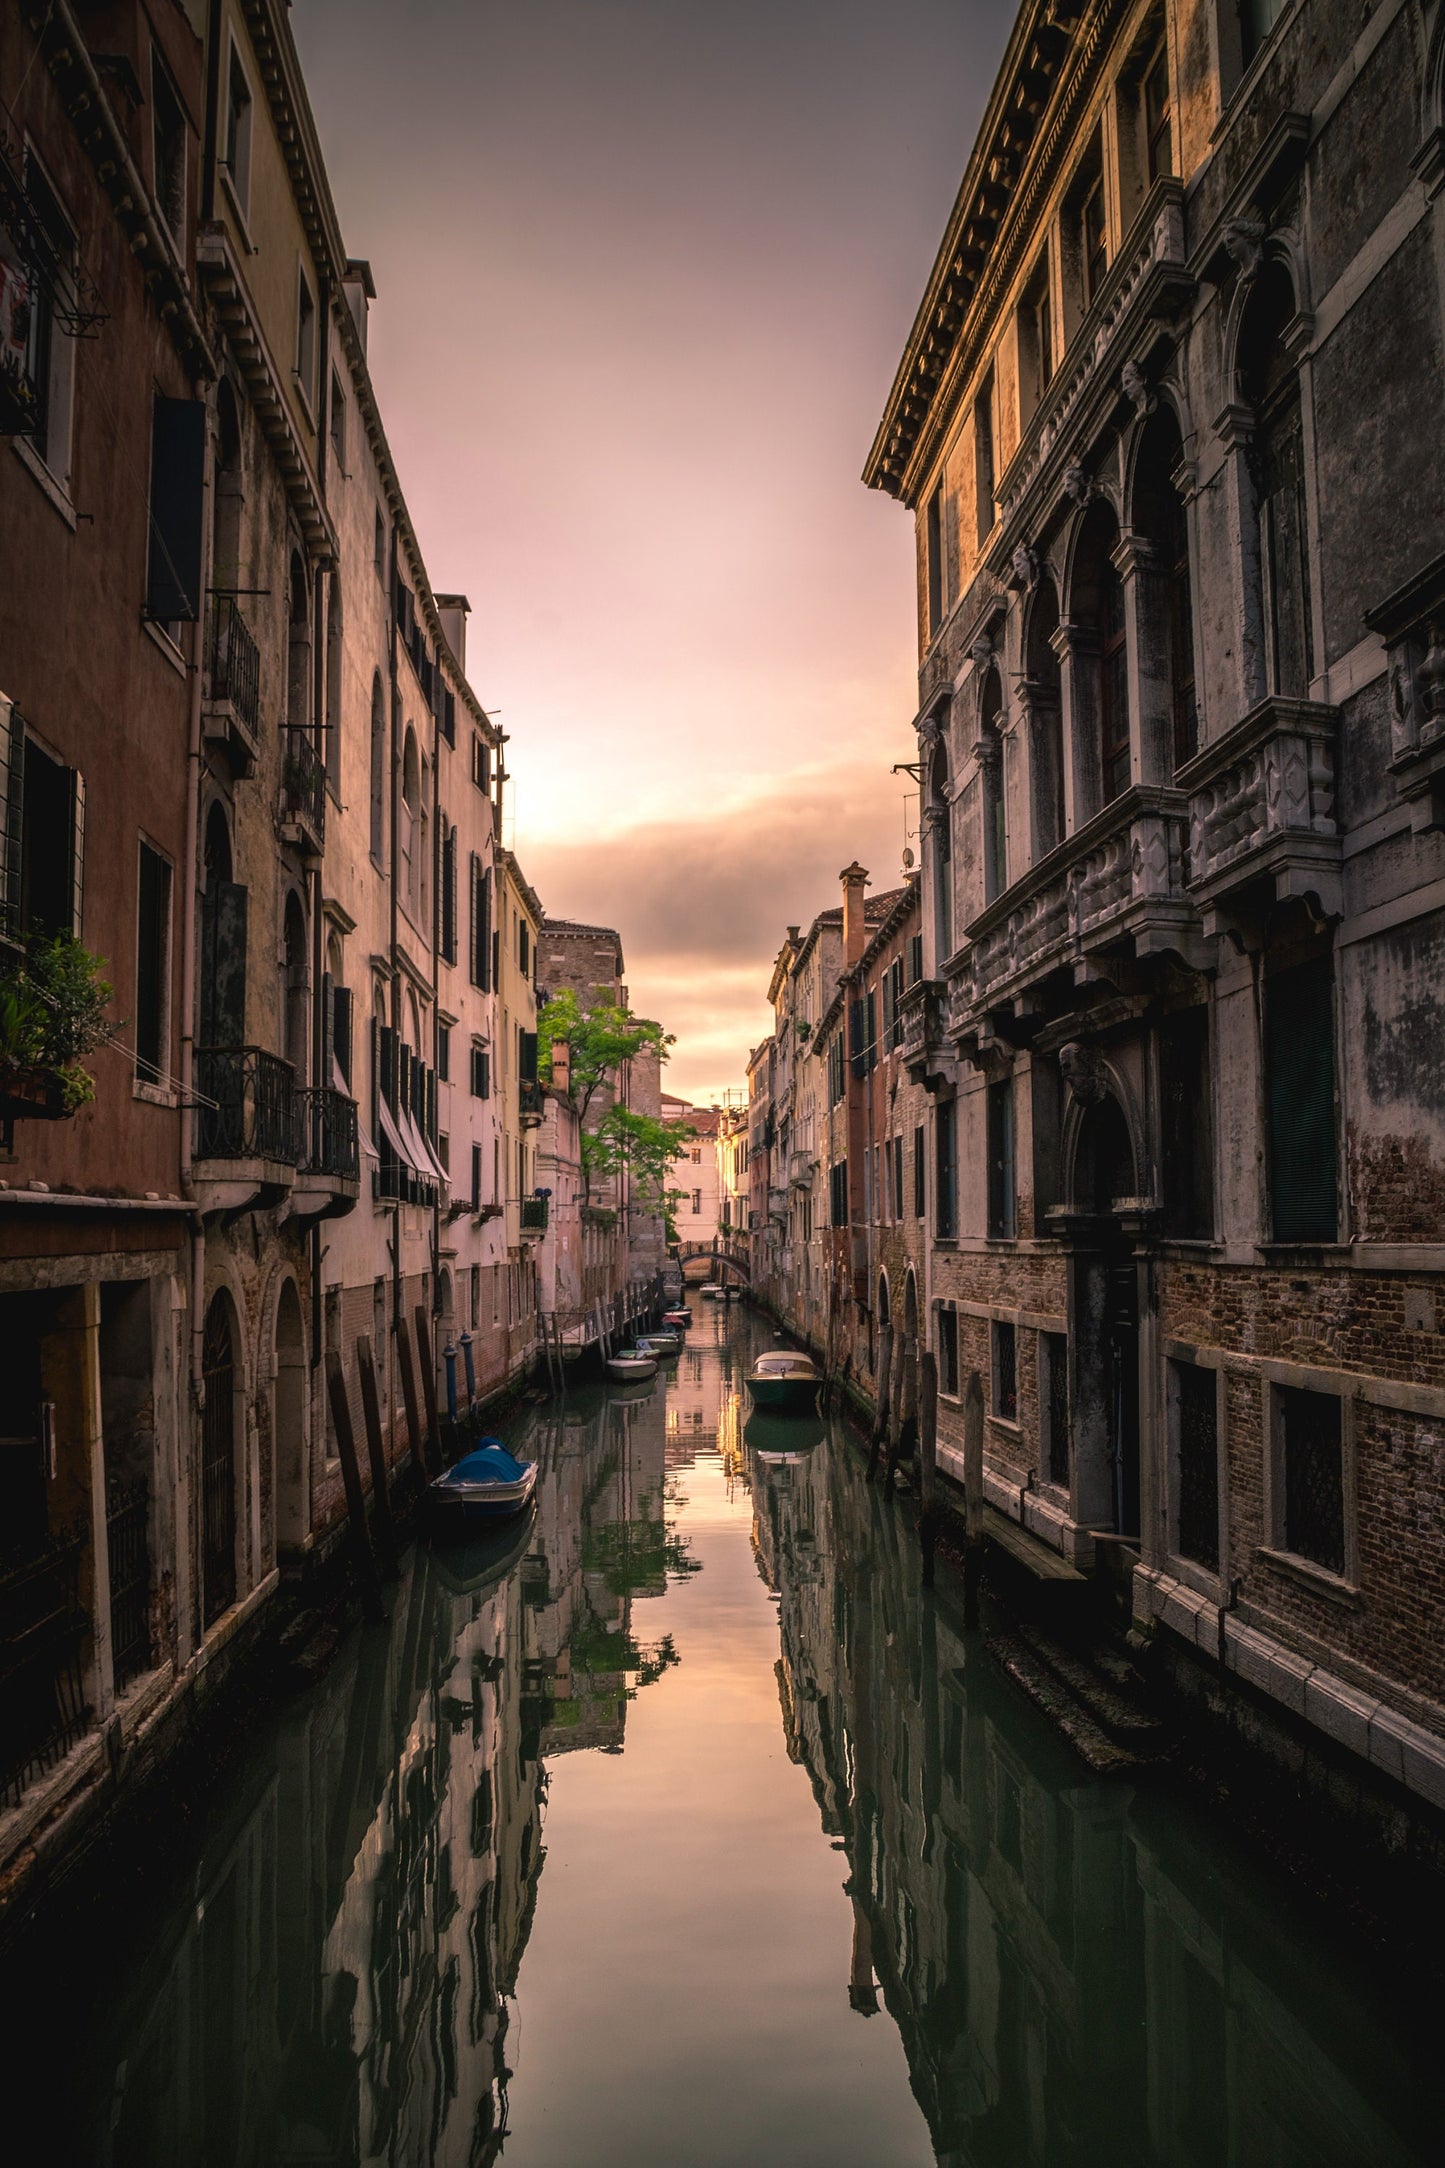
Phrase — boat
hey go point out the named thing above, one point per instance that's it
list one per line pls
(785, 1382)
(487, 1484)
(780, 1440)
(632, 1366)
(661, 1342)
(711, 1291)
(679, 1320)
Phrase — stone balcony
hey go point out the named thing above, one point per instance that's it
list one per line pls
(924, 1045)
(1115, 887)
(1262, 814)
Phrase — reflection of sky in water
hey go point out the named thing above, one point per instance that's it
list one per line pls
(672, 1827)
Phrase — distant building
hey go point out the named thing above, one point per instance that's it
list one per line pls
(696, 1212)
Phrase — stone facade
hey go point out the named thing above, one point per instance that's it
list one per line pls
(1162, 422)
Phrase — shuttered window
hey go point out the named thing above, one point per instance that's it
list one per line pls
(945, 1185)
(480, 885)
(1300, 1093)
(1002, 1178)
(481, 1073)
(152, 965)
(447, 898)
(173, 562)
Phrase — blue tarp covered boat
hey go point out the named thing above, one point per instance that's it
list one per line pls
(487, 1484)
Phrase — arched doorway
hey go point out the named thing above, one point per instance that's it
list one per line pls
(1104, 1321)
(218, 1462)
(289, 1422)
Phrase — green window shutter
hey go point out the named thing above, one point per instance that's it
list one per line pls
(1299, 1041)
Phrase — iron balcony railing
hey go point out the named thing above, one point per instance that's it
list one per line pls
(326, 1124)
(247, 1105)
(534, 1213)
(42, 1683)
(529, 1100)
(235, 662)
(305, 784)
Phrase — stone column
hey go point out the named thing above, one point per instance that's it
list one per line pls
(1151, 689)
(1235, 430)
(1077, 650)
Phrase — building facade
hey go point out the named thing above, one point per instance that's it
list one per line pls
(1179, 587)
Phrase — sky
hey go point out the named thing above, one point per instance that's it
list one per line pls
(644, 272)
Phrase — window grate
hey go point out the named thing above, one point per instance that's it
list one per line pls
(1314, 1491)
(1005, 1372)
(1198, 1465)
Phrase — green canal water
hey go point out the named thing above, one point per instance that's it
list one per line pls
(680, 1830)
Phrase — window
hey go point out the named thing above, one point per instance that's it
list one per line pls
(1256, 20)
(524, 947)
(915, 958)
(1312, 1466)
(476, 1177)
(946, 1335)
(378, 770)
(895, 1158)
(480, 950)
(990, 761)
(983, 459)
(893, 1005)
(838, 1194)
(42, 836)
(1185, 1133)
(411, 826)
(1055, 1352)
(1299, 1058)
(474, 1317)
(378, 546)
(1005, 1371)
(447, 902)
(1002, 1175)
(444, 1054)
(337, 421)
(920, 1176)
(1158, 127)
(1113, 682)
(49, 352)
(697, 1204)
(836, 1072)
(936, 569)
(939, 823)
(1270, 384)
(1035, 339)
(481, 1073)
(237, 153)
(177, 495)
(481, 763)
(305, 338)
(945, 1170)
(444, 1151)
(152, 967)
(1196, 1457)
(1093, 237)
(168, 151)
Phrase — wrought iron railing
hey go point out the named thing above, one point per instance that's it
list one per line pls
(235, 662)
(326, 1125)
(305, 783)
(534, 1212)
(529, 1099)
(247, 1105)
(42, 1683)
(130, 1581)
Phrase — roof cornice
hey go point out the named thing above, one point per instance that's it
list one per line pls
(1049, 65)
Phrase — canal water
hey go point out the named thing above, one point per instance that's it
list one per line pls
(676, 1828)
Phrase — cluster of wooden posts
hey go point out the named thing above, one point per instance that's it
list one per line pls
(905, 1423)
(374, 1549)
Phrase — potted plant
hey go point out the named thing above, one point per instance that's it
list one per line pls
(53, 1000)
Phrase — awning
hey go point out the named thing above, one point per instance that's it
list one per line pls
(340, 1084)
(394, 1135)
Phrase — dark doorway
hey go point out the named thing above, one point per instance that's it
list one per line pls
(218, 1464)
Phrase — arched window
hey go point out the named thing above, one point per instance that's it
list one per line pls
(226, 519)
(378, 769)
(1046, 729)
(411, 824)
(298, 674)
(1269, 384)
(1103, 664)
(991, 776)
(940, 824)
(333, 686)
(1160, 520)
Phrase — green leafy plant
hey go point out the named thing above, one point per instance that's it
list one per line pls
(53, 1004)
(599, 1041)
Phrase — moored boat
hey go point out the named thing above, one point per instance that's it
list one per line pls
(677, 1320)
(631, 1366)
(487, 1484)
(711, 1291)
(785, 1382)
(661, 1342)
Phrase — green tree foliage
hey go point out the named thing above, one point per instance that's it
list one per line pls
(617, 1138)
(52, 1013)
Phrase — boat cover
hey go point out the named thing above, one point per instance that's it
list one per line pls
(490, 1462)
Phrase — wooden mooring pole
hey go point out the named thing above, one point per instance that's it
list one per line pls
(366, 1574)
(883, 1378)
(928, 1459)
(409, 1399)
(376, 1454)
(429, 1388)
(972, 1495)
(905, 1409)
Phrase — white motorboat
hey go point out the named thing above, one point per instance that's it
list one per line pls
(631, 1366)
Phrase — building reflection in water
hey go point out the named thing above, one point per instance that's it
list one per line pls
(1078, 1972)
(335, 1984)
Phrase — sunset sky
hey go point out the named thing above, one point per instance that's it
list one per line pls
(644, 272)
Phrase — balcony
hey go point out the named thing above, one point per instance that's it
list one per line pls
(921, 1014)
(1116, 886)
(328, 1179)
(303, 794)
(1262, 814)
(231, 712)
(529, 1103)
(534, 1215)
(246, 1128)
(802, 1166)
(777, 1203)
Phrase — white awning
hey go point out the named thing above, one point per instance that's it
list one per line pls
(394, 1134)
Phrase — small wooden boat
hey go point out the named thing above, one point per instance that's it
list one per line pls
(662, 1342)
(711, 1291)
(679, 1320)
(632, 1366)
(487, 1484)
(784, 1382)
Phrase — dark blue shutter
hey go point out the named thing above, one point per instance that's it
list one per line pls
(1300, 1072)
(178, 461)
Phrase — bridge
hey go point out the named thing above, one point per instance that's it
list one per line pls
(713, 1260)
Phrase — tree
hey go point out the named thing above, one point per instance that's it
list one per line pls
(599, 1040)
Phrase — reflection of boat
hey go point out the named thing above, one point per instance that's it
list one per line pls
(679, 1320)
(632, 1365)
(486, 1555)
(777, 1438)
(487, 1484)
(785, 1382)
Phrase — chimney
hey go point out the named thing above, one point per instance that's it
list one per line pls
(854, 880)
(561, 1066)
(453, 610)
(360, 289)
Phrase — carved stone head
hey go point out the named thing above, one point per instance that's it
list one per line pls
(1084, 1072)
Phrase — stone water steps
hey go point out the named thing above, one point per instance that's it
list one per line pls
(1092, 1696)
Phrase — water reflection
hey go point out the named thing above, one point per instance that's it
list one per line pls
(1078, 1973)
(1075, 1972)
